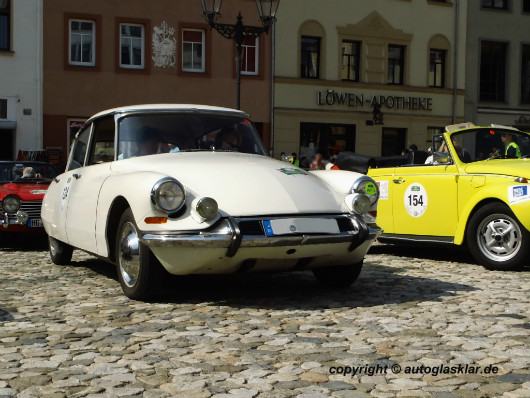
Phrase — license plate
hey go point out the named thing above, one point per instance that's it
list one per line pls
(34, 223)
(289, 226)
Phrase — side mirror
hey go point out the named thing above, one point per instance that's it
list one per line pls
(440, 157)
(287, 158)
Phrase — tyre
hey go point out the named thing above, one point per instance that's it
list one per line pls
(138, 269)
(60, 253)
(338, 276)
(496, 239)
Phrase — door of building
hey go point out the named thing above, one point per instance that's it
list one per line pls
(394, 140)
(7, 146)
(326, 138)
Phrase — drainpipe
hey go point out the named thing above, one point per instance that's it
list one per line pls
(455, 60)
(273, 51)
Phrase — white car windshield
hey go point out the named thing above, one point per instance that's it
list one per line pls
(491, 143)
(148, 134)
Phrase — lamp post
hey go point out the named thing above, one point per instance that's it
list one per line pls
(239, 32)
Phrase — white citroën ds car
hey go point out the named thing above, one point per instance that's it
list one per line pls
(189, 187)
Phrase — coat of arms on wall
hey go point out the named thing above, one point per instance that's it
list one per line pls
(164, 46)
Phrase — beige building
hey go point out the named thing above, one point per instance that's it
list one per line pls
(372, 77)
(103, 54)
(498, 63)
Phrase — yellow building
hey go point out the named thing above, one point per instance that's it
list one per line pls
(370, 77)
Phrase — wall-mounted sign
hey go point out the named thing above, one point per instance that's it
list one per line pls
(353, 100)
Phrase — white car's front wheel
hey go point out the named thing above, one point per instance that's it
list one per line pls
(60, 253)
(339, 275)
(496, 238)
(136, 265)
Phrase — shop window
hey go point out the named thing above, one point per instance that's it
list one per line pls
(193, 50)
(310, 58)
(350, 60)
(495, 4)
(396, 64)
(393, 141)
(82, 43)
(325, 138)
(493, 71)
(250, 56)
(132, 46)
(5, 25)
(525, 74)
(437, 68)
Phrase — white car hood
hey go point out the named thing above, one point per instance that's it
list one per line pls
(242, 184)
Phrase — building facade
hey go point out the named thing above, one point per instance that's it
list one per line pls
(370, 77)
(498, 63)
(20, 78)
(103, 54)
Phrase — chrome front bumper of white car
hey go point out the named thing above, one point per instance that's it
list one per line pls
(233, 234)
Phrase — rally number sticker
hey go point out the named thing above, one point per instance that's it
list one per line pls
(416, 200)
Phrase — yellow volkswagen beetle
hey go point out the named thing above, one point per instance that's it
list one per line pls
(475, 191)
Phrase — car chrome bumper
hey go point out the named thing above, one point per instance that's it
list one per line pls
(227, 234)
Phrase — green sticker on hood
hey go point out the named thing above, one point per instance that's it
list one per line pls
(370, 189)
(291, 172)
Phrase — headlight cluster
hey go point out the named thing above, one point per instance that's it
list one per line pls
(168, 195)
(365, 185)
(11, 204)
(364, 194)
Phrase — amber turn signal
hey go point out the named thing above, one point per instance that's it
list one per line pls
(155, 220)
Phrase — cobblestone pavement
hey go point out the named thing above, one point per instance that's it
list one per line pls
(70, 332)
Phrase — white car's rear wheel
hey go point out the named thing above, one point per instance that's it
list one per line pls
(496, 239)
(137, 267)
(339, 275)
(60, 253)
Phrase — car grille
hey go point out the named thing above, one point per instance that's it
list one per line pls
(31, 207)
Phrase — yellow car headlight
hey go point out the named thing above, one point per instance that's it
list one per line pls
(207, 208)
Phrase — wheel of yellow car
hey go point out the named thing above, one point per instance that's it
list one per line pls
(338, 275)
(60, 253)
(496, 239)
(137, 267)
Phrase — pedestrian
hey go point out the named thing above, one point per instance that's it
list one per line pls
(318, 163)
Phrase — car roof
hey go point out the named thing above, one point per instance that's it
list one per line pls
(169, 107)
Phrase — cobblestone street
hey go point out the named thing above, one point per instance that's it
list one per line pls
(70, 332)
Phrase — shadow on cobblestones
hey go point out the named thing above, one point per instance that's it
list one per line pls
(429, 252)
(26, 242)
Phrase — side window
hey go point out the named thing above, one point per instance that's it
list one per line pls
(102, 149)
(80, 148)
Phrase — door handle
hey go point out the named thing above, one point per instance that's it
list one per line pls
(76, 176)
(399, 181)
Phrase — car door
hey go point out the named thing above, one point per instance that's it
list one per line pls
(85, 184)
(425, 200)
(55, 205)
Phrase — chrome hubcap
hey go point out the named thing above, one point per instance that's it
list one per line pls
(129, 254)
(499, 237)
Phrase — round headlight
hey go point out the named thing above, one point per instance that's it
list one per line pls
(207, 208)
(361, 204)
(11, 204)
(365, 185)
(168, 195)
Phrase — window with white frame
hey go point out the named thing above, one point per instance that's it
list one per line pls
(250, 56)
(193, 50)
(132, 46)
(82, 46)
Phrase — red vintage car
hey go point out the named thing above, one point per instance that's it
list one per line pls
(22, 188)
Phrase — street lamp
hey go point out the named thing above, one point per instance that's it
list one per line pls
(239, 32)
